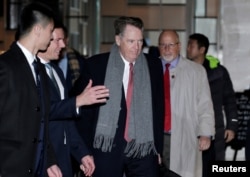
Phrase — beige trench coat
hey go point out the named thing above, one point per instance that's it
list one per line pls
(192, 116)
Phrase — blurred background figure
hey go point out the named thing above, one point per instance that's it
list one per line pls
(223, 96)
(151, 50)
(71, 62)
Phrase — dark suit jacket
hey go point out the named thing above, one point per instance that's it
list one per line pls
(62, 124)
(20, 115)
(96, 69)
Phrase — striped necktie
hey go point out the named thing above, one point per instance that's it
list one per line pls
(52, 77)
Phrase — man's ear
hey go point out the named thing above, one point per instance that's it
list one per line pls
(117, 40)
(202, 50)
(37, 29)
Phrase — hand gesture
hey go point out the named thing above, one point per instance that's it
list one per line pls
(92, 95)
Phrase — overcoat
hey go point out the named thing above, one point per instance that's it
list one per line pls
(192, 116)
(97, 66)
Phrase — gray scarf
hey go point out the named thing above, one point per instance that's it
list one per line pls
(141, 116)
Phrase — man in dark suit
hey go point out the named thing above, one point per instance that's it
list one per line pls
(62, 130)
(125, 137)
(23, 113)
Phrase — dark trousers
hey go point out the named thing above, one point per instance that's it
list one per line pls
(247, 149)
(208, 157)
(166, 150)
(110, 164)
(165, 170)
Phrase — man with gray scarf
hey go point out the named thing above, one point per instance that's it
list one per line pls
(103, 125)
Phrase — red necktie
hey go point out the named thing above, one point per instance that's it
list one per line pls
(167, 121)
(129, 99)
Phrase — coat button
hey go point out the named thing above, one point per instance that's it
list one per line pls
(37, 109)
(30, 171)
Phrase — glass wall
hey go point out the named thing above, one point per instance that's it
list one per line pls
(76, 19)
(91, 22)
(156, 15)
(206, 21)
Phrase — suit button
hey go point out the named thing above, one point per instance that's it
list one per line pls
(30, 171)
(37, 109)
(34, 140)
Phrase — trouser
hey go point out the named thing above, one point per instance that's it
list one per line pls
(166, 150)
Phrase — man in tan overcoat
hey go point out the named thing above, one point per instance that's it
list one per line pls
(192, 116)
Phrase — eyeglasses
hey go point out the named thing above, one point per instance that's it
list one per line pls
(171, 45)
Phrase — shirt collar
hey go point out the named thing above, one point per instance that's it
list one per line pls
(43, 61)
(125, 61)
(29, 56)
(173, 63)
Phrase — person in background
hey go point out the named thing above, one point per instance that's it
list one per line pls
(152, 51)
(71, 62)
(247, 146)
(125, 133)
(64, 136)
(189, 126)
(223, 96)
(24, 103)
